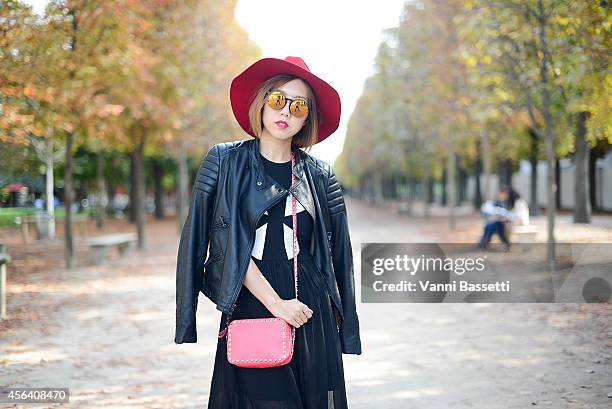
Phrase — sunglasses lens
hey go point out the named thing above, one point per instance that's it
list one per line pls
(276, 100)
(298, 108)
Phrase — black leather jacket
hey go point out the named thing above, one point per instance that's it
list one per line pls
(230, 193)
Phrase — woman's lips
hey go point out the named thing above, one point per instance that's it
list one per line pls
(281, 124)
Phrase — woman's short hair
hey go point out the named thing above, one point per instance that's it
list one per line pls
(309, 134)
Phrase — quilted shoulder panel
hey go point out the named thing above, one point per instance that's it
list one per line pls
(227, 147)
(335, 200)
(208, 174)
(206, 179)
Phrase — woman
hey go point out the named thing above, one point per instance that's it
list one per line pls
(499, 217)
(241, 213)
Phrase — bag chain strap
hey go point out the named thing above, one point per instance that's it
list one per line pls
(295, 268)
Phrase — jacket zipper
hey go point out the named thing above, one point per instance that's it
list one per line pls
(222, 225)
(252, 239)
(218, 225)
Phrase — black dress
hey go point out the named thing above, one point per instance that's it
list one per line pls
(314, 379)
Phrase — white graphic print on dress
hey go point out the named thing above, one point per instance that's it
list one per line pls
(260, 238)
(287, 229)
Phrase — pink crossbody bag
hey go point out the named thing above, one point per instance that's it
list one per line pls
(263, 342)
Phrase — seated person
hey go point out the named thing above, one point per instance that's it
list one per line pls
(499, 217)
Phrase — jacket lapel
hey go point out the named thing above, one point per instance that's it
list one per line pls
(301, 190)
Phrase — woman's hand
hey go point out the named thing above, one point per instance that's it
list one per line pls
(292, 311)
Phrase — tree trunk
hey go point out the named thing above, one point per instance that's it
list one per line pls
(182, 194)
(462, 183)
(378, 186)
(397, 185)
(386, 186)
(68, 198)
(452, 186)
(549, 136)
(558, 183)
(592, 181)
(101, 190)
(534, 208)
(582, 208)
(477, 172)
(426, 186)
(158, 173)
(486, 153)
(551, 190)
(444, 199)
(505, 172)
(132, 198)
(68, 190)
(110, 188)
(139, 196)
(81, 192)
(361, 189)
(49, 186)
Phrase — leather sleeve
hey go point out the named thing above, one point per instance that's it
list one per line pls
(342, 257)
(193, 247)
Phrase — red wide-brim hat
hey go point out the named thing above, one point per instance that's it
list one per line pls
(245, 84)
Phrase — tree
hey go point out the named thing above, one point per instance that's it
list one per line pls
(520, 37)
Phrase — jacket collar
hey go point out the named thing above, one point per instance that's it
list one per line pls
(257, 164)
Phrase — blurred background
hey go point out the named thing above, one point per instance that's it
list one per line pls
(107, 107)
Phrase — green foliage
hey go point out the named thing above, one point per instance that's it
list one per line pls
(116, 74)
(454, 71)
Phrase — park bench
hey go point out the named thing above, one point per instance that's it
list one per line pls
(524, 234)
(524, 231)
(100, 245)
(40, 222)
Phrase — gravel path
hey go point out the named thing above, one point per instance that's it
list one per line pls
(106, 332)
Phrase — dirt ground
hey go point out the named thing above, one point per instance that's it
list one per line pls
(106, 332)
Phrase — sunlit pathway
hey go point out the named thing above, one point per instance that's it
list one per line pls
(438, 356)
(107, 333)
